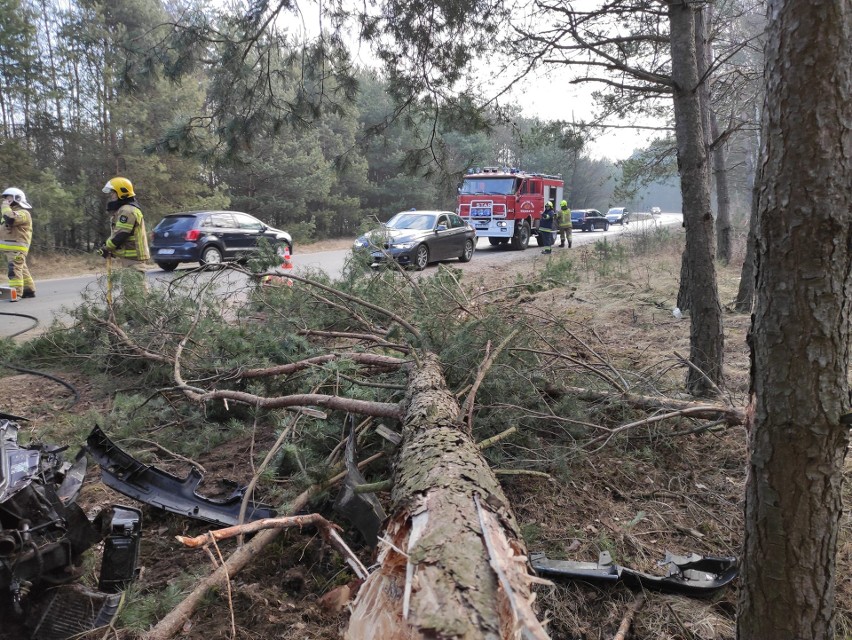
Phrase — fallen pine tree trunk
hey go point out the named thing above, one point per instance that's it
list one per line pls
(452, 561)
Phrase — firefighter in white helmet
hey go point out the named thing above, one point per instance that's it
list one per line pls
(128, 241)
(16, 234)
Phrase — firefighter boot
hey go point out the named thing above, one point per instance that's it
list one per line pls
(28, 293)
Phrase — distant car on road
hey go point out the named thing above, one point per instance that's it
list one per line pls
(655, 211)
(416, 238)
(211, 237)
(588, 220)
(618, 215)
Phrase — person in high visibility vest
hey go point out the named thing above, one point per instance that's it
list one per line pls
(16, 234)
(563, 218)
(547, 228)
(128, 241)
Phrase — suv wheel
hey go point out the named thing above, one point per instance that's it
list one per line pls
(211, 255)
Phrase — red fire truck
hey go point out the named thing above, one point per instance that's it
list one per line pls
(505, 205)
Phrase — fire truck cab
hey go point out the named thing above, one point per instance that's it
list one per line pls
(505, 205)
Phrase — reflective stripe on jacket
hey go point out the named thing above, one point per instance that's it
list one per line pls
(128, 220)
(18, 235)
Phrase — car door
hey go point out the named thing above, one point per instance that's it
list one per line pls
(458, 230)
(250, 230)
(221, 228)
(440, 241)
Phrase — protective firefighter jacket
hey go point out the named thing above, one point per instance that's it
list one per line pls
(563, 219)
(129, 239)
(17, 234)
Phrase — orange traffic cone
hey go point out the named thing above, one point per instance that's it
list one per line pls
(286, 264)
(286, 256)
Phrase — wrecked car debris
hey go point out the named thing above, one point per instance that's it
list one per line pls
(43, 535)
(158, 488)
(692, 575)
(362, 509)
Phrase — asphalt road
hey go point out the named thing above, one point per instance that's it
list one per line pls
(57, 296)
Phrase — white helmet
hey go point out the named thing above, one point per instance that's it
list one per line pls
(18, 196)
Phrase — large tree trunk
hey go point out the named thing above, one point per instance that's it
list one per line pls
(745, 291)
(723, 195)
(800, 332)
(452, 560)
(698, 272)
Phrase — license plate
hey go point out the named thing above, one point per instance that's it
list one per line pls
(166, 252)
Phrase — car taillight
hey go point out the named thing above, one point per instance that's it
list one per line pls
(192, 235)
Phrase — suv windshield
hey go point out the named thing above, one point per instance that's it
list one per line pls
(493, 186)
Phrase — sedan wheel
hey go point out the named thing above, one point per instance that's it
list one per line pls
(167, 266)
(467, 254)
(421, 257)
(606, 226)
(211, 255)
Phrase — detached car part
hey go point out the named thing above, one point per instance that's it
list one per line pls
(362, 509)
(693, 575)
(158, 488)
(43, 535)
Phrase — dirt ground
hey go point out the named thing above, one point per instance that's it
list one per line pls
(679, 491)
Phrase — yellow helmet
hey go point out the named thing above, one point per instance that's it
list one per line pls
(563, 204)
(121, 186)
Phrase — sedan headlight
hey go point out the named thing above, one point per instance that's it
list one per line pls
(402, 245)
(360, 243)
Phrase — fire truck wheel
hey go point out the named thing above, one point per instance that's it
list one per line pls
(421, 257)
(521, 239)
(467, 254)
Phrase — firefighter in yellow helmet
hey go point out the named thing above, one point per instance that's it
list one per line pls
(564, 220)
(16, 234)
(128, 241)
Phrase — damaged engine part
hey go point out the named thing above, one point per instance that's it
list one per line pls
(693, 575)
(43, 535)
(158, 488)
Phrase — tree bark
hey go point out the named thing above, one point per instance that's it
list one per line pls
(698, 272)
(745, 292)
(723, 194)
(800, 330)
(453, 561)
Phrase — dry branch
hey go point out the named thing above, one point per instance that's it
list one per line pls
(326, 528)
(627, 620)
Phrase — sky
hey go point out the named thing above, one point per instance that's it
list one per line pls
(553, 97)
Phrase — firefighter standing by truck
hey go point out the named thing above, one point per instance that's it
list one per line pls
(547, 228)
(128, 242)
(563, 219)
(16, 234)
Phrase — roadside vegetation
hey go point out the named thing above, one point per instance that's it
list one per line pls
(586, 468)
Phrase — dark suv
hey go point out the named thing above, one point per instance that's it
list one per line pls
(210, 237)
(588, 220)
